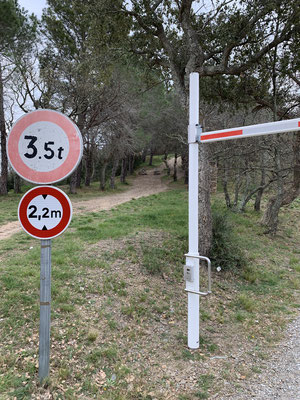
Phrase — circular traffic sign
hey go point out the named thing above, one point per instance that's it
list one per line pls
(44, 146)
(45, 212)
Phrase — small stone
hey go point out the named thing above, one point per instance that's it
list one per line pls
(113, 377)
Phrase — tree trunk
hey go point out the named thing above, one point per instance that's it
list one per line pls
(123, 170)
(131, 164)
(144, 155)
(213, 177)
(4, 161)
(78, 177)
(165, 160)
(73, 181)
(205, 217)
(284, 197)
(237, 186)
(17, 183)
(88, 165)
(292, 193)
(296, 172)
(270, 217)
(151, 158)
(175, 168)
(259, 194)
(113, 174)
(185, 165)
(102, 176)
(240, 207)
(225, 185)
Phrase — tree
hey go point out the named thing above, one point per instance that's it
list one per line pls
(228, 39)
(16, 32)
(80, 36)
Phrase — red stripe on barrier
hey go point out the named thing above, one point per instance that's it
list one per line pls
(222, 135)
(299, 123)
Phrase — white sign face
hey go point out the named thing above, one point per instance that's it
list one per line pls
(39, 152)
(44, 146)
(45, 212)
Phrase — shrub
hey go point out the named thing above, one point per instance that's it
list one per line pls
(225, 251)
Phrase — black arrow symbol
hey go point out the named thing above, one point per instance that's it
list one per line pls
(44, 196)
(44, 228)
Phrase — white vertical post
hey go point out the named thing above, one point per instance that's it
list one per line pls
(193, 299)
(45, 309)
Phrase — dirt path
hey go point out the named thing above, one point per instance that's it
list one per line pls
(142, 185)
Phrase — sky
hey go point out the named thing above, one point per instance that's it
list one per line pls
(33, 6)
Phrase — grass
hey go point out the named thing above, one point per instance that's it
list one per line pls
(119, 309)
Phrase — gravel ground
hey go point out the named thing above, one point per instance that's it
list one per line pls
(280, 377)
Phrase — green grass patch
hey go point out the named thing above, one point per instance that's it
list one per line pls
(119, 306)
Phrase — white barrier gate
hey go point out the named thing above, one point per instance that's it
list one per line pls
(196, 136)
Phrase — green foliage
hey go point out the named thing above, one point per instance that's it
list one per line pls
(225, 251)
(17, 30)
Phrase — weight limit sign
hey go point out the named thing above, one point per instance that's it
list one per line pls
(44, 146)
(45, 212)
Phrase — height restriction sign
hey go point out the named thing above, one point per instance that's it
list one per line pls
(45, 212)
(44, 146)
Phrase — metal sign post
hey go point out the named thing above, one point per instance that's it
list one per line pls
(44, 213)
(196, 136)
(43, 147)
(45, 309)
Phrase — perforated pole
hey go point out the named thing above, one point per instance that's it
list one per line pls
(193, 299)
(45, 309)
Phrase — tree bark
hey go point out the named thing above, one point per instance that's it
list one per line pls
(292, 193)
(113, 174)
(270, 217)
(144, 155)
(237, 186)
(165, 160)
(78, 177)
(102, 176)
(73, 181)
(123, 170)
(17, 183)
(205, 217)
(175, 168)
(260, 191)
(88, 166)
(4, 161)
(131, 164)
(151, 158)
(185, 165)
(225, 185)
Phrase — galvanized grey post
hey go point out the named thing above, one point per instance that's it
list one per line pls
(45, 309)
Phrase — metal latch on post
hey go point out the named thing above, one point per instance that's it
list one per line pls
(208, 274)
(194, 133)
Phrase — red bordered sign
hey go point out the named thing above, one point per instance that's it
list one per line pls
(45, 212)
(44, 146)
